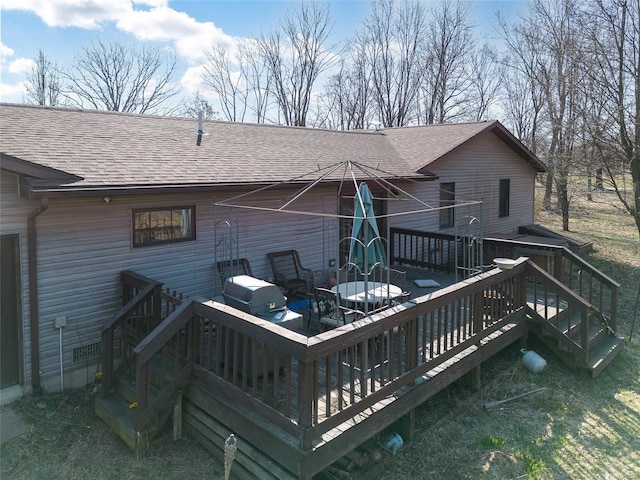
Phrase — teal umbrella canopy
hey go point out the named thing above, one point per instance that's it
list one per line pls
(367, 249)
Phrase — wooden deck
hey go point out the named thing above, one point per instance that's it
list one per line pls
(300, 400)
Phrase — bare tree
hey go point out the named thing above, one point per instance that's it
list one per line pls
(614, 69)
(548, 46)
(444, 91)
(522, 104)
(258, 80)
(485, 80)
(350, 92)
(43, 83)
(114, 77)
(230, 86)
(296, 57)
(394, 34)
(197, 105)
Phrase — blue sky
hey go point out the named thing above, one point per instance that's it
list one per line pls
(61, 28)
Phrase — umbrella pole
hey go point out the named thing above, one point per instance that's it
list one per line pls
(366, 268)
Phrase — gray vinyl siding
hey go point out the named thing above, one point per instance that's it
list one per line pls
(13, 219)
(476, 169)
(84, 244)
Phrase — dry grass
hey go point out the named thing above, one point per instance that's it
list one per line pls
(66, 440)
(577, 428)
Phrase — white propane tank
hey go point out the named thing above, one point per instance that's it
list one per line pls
(532, 361)
(394, 442)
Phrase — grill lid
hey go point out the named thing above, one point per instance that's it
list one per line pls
(252, 295)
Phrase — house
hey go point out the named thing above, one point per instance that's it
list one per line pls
(74, 181)
(88, 195)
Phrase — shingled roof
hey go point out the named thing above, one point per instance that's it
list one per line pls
(70, 150)
(421, 146)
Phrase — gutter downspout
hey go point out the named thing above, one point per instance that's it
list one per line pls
(33, 295)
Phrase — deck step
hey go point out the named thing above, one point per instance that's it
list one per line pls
(116, 412)
(603, 354)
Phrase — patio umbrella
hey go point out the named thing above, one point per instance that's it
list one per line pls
(366, 249)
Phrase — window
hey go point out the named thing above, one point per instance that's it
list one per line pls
(447, 199)
(503, 207)
(163, 225)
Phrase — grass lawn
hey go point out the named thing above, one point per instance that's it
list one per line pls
(576, 428)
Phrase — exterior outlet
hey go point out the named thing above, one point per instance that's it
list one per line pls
(61, 322)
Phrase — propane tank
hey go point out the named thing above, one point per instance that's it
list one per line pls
(394, 442)
(532, 361)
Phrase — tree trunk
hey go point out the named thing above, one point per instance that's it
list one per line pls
(563, 203)
(548, 190)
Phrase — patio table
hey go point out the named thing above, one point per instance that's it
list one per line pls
(376, 293)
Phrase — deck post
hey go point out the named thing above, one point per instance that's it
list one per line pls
(405, 426)
(177, 417)
(478, 312)
(305, 393)
(558, 266)
(476, 377)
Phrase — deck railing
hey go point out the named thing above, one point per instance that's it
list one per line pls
(139, 316)
(560, 311)
(164, 362)
(434, 251)
(307, 386)
(427, 249)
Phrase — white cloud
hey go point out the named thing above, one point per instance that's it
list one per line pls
(12, 92)
(189, 36)
(21, 65)
(191, 81)
(5, 50)
(151, 20)
(72, 13)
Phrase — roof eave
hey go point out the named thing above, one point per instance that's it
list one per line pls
(36, 190)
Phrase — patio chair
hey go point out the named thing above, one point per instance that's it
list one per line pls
(289, 273)
(329, 310)
(394, 277)
(398, 278)
(231, 268)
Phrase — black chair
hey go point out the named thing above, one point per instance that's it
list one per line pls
(231, 268)
(330, 311)
(398, 278)
(289, 273)
(394, 277)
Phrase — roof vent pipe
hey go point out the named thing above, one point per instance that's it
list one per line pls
(200, 131)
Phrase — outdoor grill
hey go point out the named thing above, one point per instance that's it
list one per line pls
(259, 298)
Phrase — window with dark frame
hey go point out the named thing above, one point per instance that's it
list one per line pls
(156, 226)
(447, 199)
(505, 188)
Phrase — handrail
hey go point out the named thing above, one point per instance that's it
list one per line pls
(162, 336)
(142, 295)
(431, 250)
(416, 247)
(565, 306)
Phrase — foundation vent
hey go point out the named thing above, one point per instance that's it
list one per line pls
(87, 352)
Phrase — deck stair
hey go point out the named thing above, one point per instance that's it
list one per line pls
(603, 344)
(118, 410)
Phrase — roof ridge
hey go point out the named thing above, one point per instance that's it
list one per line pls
(457, 124)
(62, 108)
